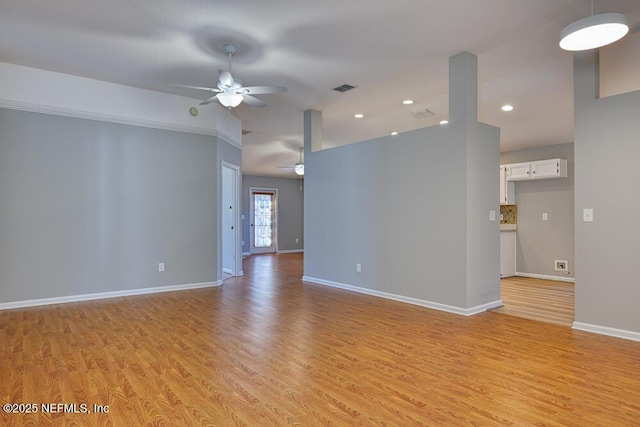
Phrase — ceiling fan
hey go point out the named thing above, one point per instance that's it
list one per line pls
(298, 168)
(230, 92)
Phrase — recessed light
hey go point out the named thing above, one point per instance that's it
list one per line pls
(507, 107)
(394, 133)
(407, 101)
(444, 122)
(358, 116)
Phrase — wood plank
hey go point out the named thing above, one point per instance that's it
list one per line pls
(268, 349)
(536, 299)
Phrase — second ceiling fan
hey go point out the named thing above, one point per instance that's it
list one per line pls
(230, 92)
(298, 168)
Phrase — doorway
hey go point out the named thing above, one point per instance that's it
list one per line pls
(229, 214)
(263, 222)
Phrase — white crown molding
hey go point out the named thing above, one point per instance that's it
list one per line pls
(415, 301)
(104, 295)
(111, 118)
(545, 277)
(48, 92)
(605, 330)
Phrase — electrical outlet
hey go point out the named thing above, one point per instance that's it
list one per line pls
(561, 265)
(297, 240)
(358, 267)
(545, 216)
(161, 267)
(587, 215)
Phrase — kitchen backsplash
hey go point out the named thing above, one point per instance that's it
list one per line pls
(508, 214)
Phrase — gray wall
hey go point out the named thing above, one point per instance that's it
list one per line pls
(402, 207)
(89, 207)
(540, 243)
(412, 209)
(607, 149)
(290, 210)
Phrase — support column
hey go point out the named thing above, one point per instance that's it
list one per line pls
(312, 130)
(463, 89)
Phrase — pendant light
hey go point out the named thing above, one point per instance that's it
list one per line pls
(230, 99)
(594, 31)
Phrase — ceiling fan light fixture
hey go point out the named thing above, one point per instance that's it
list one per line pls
(594, 31)
(299, 169)
(230, 99)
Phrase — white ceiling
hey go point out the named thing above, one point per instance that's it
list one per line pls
(390, 50)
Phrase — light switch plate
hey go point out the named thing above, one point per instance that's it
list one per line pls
(587, 215)
(545, 216)
(492, 215)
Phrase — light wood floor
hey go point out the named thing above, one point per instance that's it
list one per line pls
(268, 350)
(545, 300)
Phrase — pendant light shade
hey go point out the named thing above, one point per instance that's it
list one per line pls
(594, 31)
(298, 168)
(230, 99)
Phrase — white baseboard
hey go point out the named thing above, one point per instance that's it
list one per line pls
(545, 277)
(104, 295)
(246, 253)
(290, 251)
(415, 301)
(605, 330)
(227, 270)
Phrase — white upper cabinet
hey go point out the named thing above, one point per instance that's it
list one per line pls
(507, 189)
(518, 171)
(540, 169)
(546, 169)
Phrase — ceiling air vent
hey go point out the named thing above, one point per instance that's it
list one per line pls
(344, 88)
(422, 113)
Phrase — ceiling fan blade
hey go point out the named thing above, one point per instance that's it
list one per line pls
(225, 78)
(209, 100)
(253, 101)
(211, 89)
(259, 90)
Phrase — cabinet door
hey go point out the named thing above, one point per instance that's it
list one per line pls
(518, 171)
(507, 189)
(507, 253)
(503, 185)
(552, 168)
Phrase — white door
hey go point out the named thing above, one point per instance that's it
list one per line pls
(229, 215)
(263, 225)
